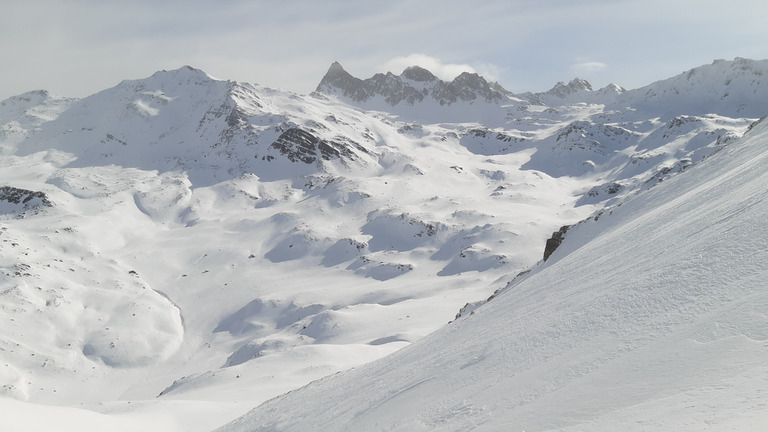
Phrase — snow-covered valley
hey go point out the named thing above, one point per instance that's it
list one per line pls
(178, 249)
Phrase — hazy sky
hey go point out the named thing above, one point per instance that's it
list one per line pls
(78, 47)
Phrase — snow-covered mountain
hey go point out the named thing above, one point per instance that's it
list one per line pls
(732, 88)
(195, 246)
(650, 318)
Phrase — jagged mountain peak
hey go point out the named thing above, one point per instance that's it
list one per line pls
(415, 85)
(337, 79)
(576, 90)
(562, 89)
(336, 68)
(335, 71)
(472, 79)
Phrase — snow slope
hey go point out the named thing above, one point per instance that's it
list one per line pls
(650, 318)
(181, 248)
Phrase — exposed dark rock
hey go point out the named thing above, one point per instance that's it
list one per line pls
(393, 89)
(23, 199)
(554, 241)
(755, 123)
(299, 145)
(489, 142)
(486, 133)
(605, 189)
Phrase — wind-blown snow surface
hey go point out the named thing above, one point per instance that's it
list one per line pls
(177, 249)
(653, 317)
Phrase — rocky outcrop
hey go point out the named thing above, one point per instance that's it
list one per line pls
(299, 145)
(14, 199)
(555, 241)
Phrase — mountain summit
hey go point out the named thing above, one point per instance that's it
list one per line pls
(339, 80)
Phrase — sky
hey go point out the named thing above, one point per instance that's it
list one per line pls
(78, 47)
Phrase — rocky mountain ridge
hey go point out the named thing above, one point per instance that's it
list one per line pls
(415, 85)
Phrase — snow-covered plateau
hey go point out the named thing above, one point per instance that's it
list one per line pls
(184, 253)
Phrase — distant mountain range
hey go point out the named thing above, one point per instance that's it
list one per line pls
(734, 88)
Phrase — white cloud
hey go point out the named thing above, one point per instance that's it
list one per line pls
(588, 67)
(489, 71)
(444, 71)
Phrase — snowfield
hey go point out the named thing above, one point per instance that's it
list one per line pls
(179, 249)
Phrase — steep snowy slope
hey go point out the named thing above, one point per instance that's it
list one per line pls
(650, 318)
